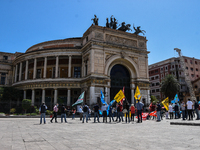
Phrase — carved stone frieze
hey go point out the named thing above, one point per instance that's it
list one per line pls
(119, 40)
(99, 35)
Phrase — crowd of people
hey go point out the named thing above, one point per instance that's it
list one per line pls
(118, 112)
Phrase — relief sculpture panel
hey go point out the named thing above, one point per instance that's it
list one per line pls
(119, 40)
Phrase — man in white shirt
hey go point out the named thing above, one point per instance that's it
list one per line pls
(171, 111)
(189, 108)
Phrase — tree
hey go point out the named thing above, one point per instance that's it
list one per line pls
(26, 104)
(170, 86)
(154, 100)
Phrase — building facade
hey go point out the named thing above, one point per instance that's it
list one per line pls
(159, 70)
(102, 59)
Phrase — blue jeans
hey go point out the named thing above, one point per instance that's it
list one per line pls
(121, 115)
(42, 116)
(197, 112)
(85, 114)
(73, 116)
(111, 116)
(127, 116)
(63, 116)
(139, 115)
(158, 115)
(183, 114)
(96, 114)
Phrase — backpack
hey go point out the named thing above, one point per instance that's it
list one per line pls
(85, 109)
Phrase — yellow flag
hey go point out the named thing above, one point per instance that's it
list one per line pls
(137, 94)
(165, 103)
(119, 96)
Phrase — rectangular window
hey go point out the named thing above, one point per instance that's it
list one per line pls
(152, 84)
(197, 69)
(157, 83)
(192, 75)
(3, 80)
(77, 72)
(166, 68)
(191, 61)
(5, 57)
(186, 68)
(191, 69)
(185, 60)
(153, 91)
(157, 90)
(196, 62)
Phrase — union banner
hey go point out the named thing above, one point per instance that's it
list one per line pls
(119, 96)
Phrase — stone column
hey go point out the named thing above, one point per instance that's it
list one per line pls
(20, 71)
(57, 62)
(13, 74)
(26, 70)
(132, 97)
(33, 97)
(68, 97)
(35, 67)
(132, 94)
(69, 66)
(92, 61)
(45, 67)
(6, 80)
(106, 95)
(43, 95)
(92, 95)
(16, 68)
(24, 94)
(55, 96)
(108, 98)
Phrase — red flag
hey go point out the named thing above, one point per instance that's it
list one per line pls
(154, 113)
(122, 98)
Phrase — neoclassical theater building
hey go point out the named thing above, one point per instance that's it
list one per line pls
(102, 59)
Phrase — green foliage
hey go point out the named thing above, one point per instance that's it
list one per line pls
(49, 112)
(36, 110)
(12, 110)
(10, 93)
(154, 100)
(26, 103)
(33, 114)
(170, 86)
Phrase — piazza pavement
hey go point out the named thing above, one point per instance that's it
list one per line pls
(28, 134)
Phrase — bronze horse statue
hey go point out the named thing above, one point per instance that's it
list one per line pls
(124, 27)
(137, 30)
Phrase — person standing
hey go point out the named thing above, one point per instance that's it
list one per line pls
(89, 113)
(158, 108)
(42, 110)
(196, 108)
(139, 106)
(176, 109)
(55, 111)
(183, 110)
(189, 109)
(85, 112)
(63, 113)
(104, 111)
(132, 109)
(73, 113)
(111, 114)
(96, 112)
(81, 112)
(127, 112)
(170, 111)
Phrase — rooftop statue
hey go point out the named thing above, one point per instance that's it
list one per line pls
(137, 30)
(124, 27)
(95, 20)
(112, 24)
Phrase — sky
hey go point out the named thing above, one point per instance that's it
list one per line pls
(168, 24)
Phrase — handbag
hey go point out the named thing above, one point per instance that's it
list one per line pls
(125, 111)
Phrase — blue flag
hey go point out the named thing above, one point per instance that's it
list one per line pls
(176, 99)
(102, 99)
(108, 109)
